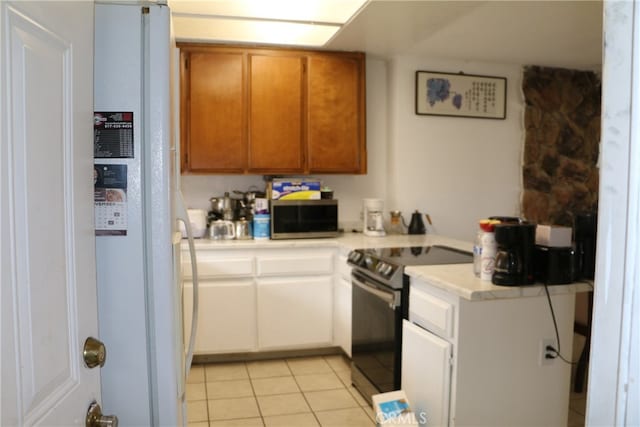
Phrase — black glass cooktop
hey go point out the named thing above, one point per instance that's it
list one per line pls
(387, 264)
(419, 255)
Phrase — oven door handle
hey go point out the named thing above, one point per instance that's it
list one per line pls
(390, 298)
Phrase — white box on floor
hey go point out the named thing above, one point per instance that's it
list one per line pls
(553, 236)
(393, 409)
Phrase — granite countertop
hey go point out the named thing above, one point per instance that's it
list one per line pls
(458, 279)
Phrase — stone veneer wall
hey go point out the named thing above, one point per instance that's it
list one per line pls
(562, 122)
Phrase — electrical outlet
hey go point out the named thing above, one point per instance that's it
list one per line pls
(543, 352)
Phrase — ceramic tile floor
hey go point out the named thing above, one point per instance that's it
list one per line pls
(297, 392)
(308, 391)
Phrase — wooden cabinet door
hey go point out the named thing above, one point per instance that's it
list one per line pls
(214, 124)
(336, 111)
(275, 113)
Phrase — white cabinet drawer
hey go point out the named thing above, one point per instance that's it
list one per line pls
(211, 266)
(431, 313)
(321, 263)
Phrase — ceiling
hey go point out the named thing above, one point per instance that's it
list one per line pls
(552, 33)
(560, 33)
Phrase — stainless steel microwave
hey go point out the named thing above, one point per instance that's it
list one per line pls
(304, 219)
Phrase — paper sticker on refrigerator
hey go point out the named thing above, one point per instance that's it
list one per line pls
(110, 199)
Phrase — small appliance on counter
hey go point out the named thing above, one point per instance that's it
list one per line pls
(554, 265)
(514, 263)
(584, 231)
(554, 262)
(416, 226)
(372, 217)
(304, 219)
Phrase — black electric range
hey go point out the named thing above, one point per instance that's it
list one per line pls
(387, 264)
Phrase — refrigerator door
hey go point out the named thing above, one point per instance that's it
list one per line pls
(180, 214)
(139, 289)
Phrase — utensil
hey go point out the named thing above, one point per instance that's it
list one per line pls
(416, 226)
(222, 230)
(397, 224)
(243, 229)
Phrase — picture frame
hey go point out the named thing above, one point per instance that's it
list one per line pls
(460, 95)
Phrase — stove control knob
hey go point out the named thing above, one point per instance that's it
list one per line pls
(355, 257)
(383, 267)
(388, 270)
(370, 262)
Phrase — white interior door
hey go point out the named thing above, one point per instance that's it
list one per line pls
(49, 304)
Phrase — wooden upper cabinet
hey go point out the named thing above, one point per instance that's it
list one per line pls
(336, 112)
(213, 113)
(271, 111)
(276, 114)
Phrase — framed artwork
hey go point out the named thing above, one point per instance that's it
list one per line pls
(460, 95)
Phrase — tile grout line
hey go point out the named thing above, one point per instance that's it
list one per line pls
(302, 392)
(255, 396)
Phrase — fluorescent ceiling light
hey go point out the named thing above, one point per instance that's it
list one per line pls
(250, 31)
(287, 22)
(327, 11)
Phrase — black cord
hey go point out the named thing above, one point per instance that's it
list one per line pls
(555, 325)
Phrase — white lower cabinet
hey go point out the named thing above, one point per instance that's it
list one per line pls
(426, 359)
(261, 299)
(294, 312)
(342, 315)
(342, 303)
(479, 363)
(226, 316)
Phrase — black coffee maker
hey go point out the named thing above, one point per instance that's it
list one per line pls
(515, 254)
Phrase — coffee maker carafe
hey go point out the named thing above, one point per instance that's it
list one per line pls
(372, 216)
(515, 254)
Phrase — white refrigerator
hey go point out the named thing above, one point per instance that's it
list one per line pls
(139, 287)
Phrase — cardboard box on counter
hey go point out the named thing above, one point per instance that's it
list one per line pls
(295, 189)
(553, 236)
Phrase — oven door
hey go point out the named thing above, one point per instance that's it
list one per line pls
(376, 335)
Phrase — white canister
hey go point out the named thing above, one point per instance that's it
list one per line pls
(261, 226)
(198, 221)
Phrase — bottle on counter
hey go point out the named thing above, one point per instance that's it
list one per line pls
(477, 252)
(489, 248)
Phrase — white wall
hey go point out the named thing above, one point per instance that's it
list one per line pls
(456, 169)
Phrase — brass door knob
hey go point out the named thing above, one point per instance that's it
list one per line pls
(96, 419)
(94, 353)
